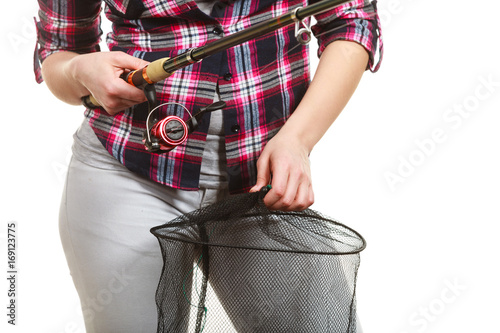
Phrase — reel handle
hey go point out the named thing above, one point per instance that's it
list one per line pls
(193, 122)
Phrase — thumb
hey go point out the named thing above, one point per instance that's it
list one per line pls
(125, 60)
(263, 174)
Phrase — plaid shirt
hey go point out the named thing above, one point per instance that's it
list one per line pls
(262, 81)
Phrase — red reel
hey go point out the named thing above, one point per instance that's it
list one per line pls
(171, 131)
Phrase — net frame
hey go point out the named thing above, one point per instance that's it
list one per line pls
(196, 240)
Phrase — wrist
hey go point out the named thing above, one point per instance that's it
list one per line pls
(57, 72)
(75, 73)
(296, 137)
(303, 128)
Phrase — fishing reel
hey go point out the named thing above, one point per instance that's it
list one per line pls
(162, 135)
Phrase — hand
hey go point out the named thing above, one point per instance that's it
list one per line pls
(100, 72)
(285, 163)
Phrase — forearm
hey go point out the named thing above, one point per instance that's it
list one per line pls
(71, 76)
(339, 71)
(58, 74)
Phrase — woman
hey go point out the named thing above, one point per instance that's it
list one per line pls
(116, 190)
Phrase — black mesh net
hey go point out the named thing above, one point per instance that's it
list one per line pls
(236, 266)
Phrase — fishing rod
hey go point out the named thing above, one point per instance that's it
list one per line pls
(161, 69)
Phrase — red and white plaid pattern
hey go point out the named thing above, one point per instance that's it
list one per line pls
(261, 81)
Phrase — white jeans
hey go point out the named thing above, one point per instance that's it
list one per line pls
(115, 261)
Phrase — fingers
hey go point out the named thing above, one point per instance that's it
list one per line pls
(289, 173)
(263, 174)
(118, 96)
(304, 198)
(124, 60)
(291, 190)
(101, 74)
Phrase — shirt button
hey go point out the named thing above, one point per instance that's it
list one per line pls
(217, 31)
(228, 76)
(235, 128)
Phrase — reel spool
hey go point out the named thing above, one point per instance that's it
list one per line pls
(171, 131)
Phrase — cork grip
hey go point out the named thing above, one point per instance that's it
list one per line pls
(155, 71)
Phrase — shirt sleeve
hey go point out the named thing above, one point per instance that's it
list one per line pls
(356, 21)
(66, 25)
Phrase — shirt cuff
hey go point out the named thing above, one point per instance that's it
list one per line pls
(56, 34)
(356, 21)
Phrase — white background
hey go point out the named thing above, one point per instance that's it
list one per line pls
(418, 180)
